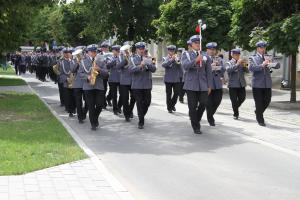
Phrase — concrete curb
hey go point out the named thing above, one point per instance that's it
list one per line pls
(121, 191)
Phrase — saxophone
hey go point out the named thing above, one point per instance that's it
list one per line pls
(70, 80)
(94, 73)
(56, 66)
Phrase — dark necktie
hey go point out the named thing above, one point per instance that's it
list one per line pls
(197, 53)
(263, 57)
(93, 59)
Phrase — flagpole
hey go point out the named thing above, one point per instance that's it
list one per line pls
(200, 33)
(201, 27)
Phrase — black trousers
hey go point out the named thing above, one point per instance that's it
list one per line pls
(61, 93)
(113, 95)
(172, 93)
(81, 110)
(182, 91)
(128, 105)
(213, 102)
(17, 69)
(237, 97)
(262, 98)
(69, 100)
(143, 101)
(196, 102)
(43, 73)
(22, 69)
(95, 102)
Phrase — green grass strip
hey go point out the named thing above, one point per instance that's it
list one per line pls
(31, 138)
(5, 81)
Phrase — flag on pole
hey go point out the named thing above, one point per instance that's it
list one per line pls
(198, 29)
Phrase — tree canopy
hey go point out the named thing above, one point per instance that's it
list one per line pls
(278, 21)
(15, 17)
(178, 20)
(127, 20)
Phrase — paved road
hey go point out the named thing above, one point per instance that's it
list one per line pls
(165, 161)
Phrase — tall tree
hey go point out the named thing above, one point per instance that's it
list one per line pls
(15, 20)
(178, 21)
(279, 20)
(75, 18)
(128, 20)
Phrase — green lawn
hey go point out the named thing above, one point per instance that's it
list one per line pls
(7, 81)
(10, 71)
(31, 138)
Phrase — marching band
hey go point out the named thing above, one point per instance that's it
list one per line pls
(83, 75)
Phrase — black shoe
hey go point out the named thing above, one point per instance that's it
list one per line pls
(109, 103)
(181, 101)
(119, 111)
(174, 109)
(81, 121)
(94, 128)
(262, 123)
(197, 131)
(140, 126)
(71, 115)
(170, 111)
(212, 123)
(127, 119)
(97, 124)
(131, 115)
(116, 113)
(236, 117)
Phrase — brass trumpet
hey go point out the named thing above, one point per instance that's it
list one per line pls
(244, 62)
(176, 58)
(94, 74)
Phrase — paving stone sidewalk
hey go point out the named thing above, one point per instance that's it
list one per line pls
(78, 180)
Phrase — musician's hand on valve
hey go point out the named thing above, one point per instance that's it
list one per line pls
(239, 62)
(142, 64)
(265, 63)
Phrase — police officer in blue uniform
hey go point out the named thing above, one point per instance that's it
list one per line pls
(125, 85)
(197, 83)
(105, 50)
(114, 79)
(65, 66)
(173, 74)
(261, 80)
(78, 92)
(94, 94)
(218, 69)
(236, 69)
(141, 86)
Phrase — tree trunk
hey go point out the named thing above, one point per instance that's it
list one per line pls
(293, 79)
